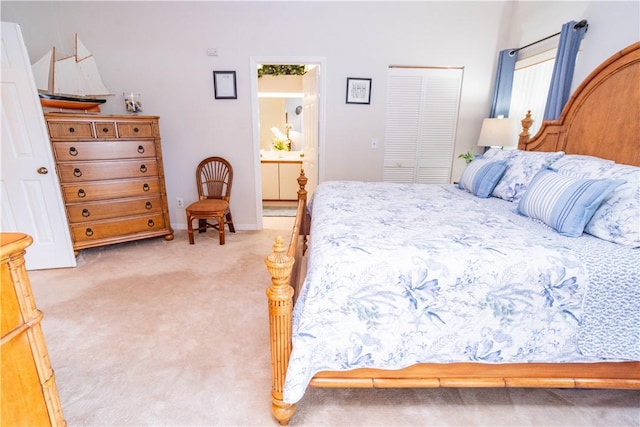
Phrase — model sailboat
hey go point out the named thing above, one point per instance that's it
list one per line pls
(72, 82)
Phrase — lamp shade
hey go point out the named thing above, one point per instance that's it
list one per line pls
(498, 133)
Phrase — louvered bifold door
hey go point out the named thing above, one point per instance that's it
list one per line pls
(422, 113)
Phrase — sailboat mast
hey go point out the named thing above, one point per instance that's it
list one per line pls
(52, 71)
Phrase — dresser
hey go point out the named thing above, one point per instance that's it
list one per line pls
(112, 177)
(28, 393)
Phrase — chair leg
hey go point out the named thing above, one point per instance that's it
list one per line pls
(230, 223)
(190, 229)
(221, 228)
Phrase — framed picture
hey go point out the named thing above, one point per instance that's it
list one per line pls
(224, 85)
(358, 90)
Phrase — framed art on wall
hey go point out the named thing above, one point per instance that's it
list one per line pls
(224, 85)
(358, 90)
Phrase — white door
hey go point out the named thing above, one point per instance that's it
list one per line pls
(310, 126)
(29, 187)
(422, 116)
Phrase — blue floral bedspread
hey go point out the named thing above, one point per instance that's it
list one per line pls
(400, 274)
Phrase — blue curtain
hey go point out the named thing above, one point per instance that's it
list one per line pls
(563, 69)
(503, 83)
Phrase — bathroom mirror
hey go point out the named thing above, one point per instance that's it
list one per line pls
(277, 112)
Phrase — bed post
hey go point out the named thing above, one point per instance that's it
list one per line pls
(280, 296)
(524, 135)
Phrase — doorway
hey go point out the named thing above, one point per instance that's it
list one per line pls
(310, 135)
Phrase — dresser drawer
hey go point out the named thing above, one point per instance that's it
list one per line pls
(105, 129)
(70, 129)
(121, 227)
(94, 171)
(113, 209)
(90, 191)
(135, 130)
(103, 150)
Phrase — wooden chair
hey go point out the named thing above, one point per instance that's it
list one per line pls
(214, 176)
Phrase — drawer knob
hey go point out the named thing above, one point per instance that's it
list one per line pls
(105, 130)
(150, 223)
(136, 130)
(140, 149)
(146, 187)
(88, 232)
(148, 205)
(77, 173)
(86, 213)
(73, 151)
(143, 168)
(72, 130)
(81, 193)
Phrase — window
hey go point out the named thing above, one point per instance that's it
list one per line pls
(531, 81)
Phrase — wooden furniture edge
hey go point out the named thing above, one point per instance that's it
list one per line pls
(285, 275)
(12, 254)
(618, 375)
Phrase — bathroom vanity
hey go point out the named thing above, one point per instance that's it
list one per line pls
(279, 173)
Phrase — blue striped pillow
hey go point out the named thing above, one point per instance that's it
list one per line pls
(564, 203)
(481, 176)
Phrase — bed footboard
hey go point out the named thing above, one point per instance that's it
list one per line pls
(286, 267)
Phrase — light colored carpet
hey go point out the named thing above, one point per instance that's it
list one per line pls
(171, 334)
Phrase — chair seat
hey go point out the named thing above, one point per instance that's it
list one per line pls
(209, 208)
(203, 207)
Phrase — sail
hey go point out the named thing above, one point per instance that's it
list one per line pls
(75, 75)
(81, 50)
(90, 77)
(66, 77)
(42, 71)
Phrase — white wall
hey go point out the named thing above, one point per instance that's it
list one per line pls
(159, 49)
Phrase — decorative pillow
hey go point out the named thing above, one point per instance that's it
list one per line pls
(522, 166)
(618, 217)
(481, 176)
(564, 203)
(583, 166)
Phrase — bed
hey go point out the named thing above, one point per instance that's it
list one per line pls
(493, 282)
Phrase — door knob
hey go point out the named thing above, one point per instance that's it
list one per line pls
(42, 170)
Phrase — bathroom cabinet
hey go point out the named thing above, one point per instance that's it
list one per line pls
(279, 179)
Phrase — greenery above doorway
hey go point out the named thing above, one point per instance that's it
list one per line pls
(281, 70)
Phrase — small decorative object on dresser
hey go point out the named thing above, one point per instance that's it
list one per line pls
(132, 102)
(112, 177)
(28, 385)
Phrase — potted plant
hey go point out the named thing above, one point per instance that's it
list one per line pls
(468, 156)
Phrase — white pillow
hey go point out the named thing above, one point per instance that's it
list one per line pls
(522, 166)
(618, 217)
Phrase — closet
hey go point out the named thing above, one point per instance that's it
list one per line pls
(422, 115)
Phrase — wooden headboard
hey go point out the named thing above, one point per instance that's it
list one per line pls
(602, 117)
